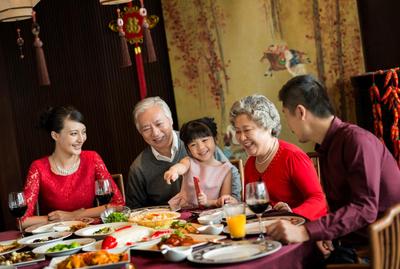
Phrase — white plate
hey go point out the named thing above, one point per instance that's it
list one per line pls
(252, 226)
(28, 241)
(8, 242)
(36, 259)
(232, 253)
(201, 239)
(141, 245)
(82, 241)
(90, 230)
(61, 226)
(55, 261)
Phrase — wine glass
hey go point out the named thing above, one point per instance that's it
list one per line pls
(103, 191)
(257, 198)
(17, 206)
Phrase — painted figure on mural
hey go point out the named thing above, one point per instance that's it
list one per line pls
(280, 57)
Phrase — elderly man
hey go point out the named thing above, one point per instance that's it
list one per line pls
(146, 185)
(359, 174)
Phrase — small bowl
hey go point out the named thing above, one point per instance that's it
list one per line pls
(124, 210)
(176, 254)
(211, 229)
(214, 218)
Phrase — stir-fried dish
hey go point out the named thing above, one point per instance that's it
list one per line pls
(15, 257)
(92, 258)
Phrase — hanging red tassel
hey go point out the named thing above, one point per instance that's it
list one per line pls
(140, 72)
(125, 57)
(151, 53)
(43, 75)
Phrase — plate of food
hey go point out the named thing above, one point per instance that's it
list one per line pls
(63, 248)
(101, 230)
(115, 214)
(179, 239)
(154, 219)
(20, 258)
(252, 226)
(92, 260)
(155, 208)
(233, 253)
(62, 226)
(38, 240)
(9, 246)
(129, 237)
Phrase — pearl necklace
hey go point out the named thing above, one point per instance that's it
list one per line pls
(269, 154)
(66, 172)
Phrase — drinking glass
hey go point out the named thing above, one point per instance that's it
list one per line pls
(103, 191)
(17, 206)
(257, 199)
(236, 219)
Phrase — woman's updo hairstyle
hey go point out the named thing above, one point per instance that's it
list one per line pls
(53, 118)
(197, 129)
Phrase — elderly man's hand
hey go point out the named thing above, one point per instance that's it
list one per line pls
(286, 232)
(326, 247)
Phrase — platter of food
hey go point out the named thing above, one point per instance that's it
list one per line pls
(9, 246)
(101, 230)
(154, 219)
(20, 258)
(93, 260)
(37, 240)
(62, 226)
(129, 237)
(179, 239)
(63, 248)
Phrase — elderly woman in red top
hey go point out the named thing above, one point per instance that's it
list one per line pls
(64, 182)
(287, 171)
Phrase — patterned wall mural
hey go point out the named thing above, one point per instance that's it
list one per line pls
(222, 50)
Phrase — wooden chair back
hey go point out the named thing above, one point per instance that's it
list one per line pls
(385, 240)
(119, 180)
(315, 159)
(239, 165)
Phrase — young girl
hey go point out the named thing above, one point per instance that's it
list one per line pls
(215, 177)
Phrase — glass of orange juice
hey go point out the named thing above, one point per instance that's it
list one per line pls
(236, 219)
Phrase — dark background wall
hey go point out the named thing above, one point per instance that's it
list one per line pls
(378, 20)
(380, 33)
(82, 56)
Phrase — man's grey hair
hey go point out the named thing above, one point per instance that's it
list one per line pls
(260, 110)
(147, 103)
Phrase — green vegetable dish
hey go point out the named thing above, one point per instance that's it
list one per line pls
(63, 247)
(116, 217)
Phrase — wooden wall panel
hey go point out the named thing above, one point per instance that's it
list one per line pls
(83, 61)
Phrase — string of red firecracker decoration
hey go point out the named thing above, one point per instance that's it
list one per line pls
(390, 99)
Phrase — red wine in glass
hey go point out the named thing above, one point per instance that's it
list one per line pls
(17, 205)
(103, 199)
(258, 206)
(257, 198)
(103, 191)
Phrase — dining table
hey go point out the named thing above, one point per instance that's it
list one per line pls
(291, 256)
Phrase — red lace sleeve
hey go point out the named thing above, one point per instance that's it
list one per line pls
(31, 190)
(102, 172)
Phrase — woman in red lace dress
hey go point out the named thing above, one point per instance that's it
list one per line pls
(63, 183)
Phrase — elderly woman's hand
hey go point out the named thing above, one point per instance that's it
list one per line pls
(281, 206)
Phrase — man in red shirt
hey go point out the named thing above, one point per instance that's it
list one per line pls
(360, 176)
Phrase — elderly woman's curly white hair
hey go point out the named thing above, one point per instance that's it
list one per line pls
(260, 110)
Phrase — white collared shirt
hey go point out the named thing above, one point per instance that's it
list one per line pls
(174, 149)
